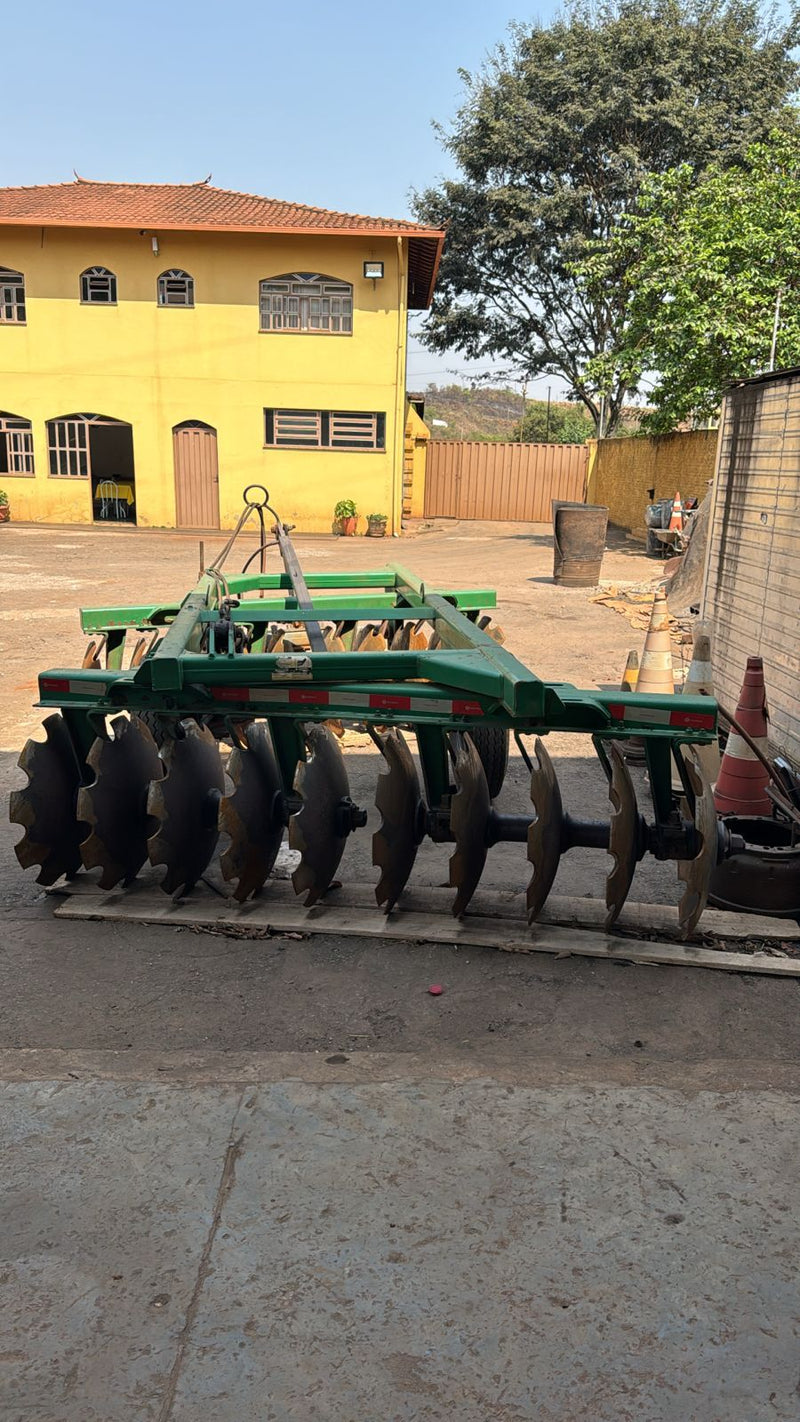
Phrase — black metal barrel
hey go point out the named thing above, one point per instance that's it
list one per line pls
(579, 540)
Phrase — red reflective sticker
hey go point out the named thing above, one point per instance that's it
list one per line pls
(380, 701)
(467, 708)
(692, 720)
(616, 711)
(230, 693)
(49, 684)
(309, 696)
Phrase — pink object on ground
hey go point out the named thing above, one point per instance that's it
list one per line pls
(435, 989)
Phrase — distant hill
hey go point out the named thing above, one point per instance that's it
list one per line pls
(481, 413)
(490, 414)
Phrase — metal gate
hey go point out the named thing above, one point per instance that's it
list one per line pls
(474, 479)
(196, 475)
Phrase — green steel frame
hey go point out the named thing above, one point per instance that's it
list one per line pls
(193, 668)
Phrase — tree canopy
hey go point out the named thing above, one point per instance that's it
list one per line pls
(554, 140)
(707, 259)
(566, 424)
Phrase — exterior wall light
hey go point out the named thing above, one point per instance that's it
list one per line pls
(373, 271)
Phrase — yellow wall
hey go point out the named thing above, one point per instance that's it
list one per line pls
(416, 449)
(156, 367)
(621, 471)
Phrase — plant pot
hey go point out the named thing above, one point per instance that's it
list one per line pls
(376, 528)
(347, 526)
(5, 513)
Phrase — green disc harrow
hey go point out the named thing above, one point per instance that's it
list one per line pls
(217, 718)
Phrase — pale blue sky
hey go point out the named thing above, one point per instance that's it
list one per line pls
(328, 104)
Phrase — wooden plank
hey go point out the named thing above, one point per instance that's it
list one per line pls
(560, 910)
(151, 906)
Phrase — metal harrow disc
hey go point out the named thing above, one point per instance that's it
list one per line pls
(696, 873)
(46, 805)
(370, 638)
(395, 844)
(410, 637)
(545, 831)
(492, 629)
(622, 845)
(318, 830)
(185, 804)
(115, 804)
(253, 814)
(470, 808)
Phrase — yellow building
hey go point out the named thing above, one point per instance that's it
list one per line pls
(162, 346)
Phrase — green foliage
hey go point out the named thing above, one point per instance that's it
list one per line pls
(707, 260)
(568, 424)
(3, 497)
(377, 518)
(553, 141)
(345, 508)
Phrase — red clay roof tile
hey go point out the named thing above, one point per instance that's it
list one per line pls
(202, 208)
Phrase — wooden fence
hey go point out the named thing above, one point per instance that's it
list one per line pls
(474, 479)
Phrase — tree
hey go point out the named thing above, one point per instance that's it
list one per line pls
(554, 139)
(708, 259)
(566, 424)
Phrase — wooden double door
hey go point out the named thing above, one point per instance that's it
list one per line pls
(196, 475)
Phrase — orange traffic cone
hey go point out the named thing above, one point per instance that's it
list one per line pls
(676, 517)
(630, 676)
(656, 673)
(741, 787)
(699, 682)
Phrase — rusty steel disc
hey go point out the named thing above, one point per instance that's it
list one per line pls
(470, 808)
(544, 832)
(185, 806)
(395, 844)
(253, 815)
(696, 873)
(115, 804)
(317, 830)
(622, 839)
(46, 806)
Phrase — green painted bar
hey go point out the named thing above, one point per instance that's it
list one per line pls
(350, 611)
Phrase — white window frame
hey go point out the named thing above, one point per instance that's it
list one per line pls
(68, 449)
(175, 288)
(305, 304)
(353, 431)
(13, 310)
(94, 282)
(18, 436)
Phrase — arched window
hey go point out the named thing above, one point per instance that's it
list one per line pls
(306, 301)
(175, 288)
(12, 297)
(98, 287)
(16, 445)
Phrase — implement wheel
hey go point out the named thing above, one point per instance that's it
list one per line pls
(491, 743)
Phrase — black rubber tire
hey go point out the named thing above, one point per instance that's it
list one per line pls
(491, 743)
(153, 722)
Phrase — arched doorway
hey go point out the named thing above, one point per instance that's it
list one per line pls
(194, 446)
(98, 449)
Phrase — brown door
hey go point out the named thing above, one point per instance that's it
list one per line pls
(196, 475)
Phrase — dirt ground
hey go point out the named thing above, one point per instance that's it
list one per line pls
(276, 1179)
(107, 986)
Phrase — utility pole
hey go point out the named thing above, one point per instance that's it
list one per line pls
(775, 326)
(524, 409)
(602, 419)
(547, 429)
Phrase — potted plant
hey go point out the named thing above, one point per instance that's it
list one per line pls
(376, 525)
(5, 507)
(346, 516)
